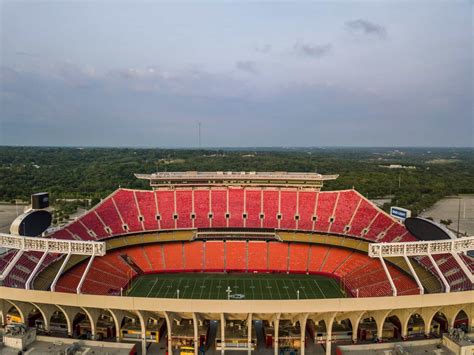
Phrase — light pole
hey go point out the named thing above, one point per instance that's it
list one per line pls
(229, 291)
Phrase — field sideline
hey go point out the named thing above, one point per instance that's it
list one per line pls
(242, 286)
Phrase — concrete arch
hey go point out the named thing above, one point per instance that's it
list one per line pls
(93, 314)
(105, 317)
(395, 320)
(414, 315)
(458, 314)
(59, 311)
(439, 314)
(363, 317)
(19, 309)
(451, 313)
(44, 313)
(79, 311)
(355, 318)
(69, 314)
(117, 316)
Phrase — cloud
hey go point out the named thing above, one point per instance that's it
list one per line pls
(247, 66)
(361, 26)
(26, 54)
(315, 51)
(266, 48)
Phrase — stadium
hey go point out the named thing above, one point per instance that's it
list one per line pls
(249, 261)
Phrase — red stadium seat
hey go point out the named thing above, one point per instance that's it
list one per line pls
(184, 208)
(202, 208)
(324, 211)
(173, 254)
(257, 256)
(218, 208)
(93, 223)
(365, 213)
(108, 214)
(298, 262)
(154, 253)
(306, 210)
(128, 209)
(317, 255)
(381, 223)
(270, 208)
(253, 208)
(193, 256)
(288, 209)
(138, 256)
(166, 208)
(214, 251)
(236, 207)
(277, 256)
(147, 209)
(346, 206)
(236, 255)
(334, 259)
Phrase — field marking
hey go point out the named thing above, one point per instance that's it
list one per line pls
(303, 287)
(286, 287)
(134, 286)
(149, 291)
(260, 286)
(194, 286)
(202, 289)
(322, 293)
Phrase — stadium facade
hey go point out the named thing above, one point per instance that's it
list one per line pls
(86, 278)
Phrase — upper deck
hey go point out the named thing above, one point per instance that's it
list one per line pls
(244, 178)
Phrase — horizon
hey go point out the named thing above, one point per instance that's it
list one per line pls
(269, 148)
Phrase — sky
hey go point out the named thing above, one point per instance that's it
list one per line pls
(300, 73)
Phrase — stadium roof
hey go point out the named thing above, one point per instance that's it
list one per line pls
(249, 178)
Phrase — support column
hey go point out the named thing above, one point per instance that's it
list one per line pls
(302, 320)
(93, 315)
(60, 272)
(143, 330)
(69, 313)
(46, 311)
(195, 326)
(86, 271)
(117, 316)
(379, 317)
(169, 324)
(440, 274)
(329, 321)
(249, 335)
(35, 270)
(222, 333)
(12, 264)
(276, 326)
(412, 270)
(392, 284)
(355, 318)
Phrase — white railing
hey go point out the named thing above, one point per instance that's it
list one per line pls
(58, 246)
(420, 248)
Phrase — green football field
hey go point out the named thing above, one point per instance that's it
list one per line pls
(242, 286)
